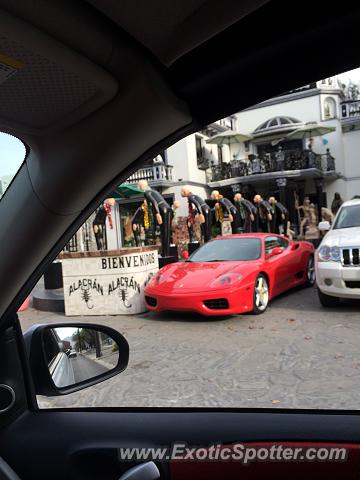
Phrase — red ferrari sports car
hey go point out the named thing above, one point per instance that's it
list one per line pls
(232, 274)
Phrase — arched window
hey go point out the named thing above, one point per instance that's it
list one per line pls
(329, 108)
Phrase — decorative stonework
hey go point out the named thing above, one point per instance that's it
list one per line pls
(108, 283)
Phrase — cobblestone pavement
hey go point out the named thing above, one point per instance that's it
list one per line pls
(296, 355)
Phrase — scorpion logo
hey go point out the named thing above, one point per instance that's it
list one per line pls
(85, 295)
(123, 294)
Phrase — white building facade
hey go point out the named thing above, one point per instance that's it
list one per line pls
(248, 167)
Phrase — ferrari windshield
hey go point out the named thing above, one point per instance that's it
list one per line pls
(349, 217)
(228, 250)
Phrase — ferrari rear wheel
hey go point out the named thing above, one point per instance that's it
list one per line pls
(261, 294)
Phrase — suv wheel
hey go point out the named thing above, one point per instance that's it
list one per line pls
(327, 300)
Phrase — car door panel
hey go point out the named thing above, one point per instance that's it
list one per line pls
(291, 264)
(278, 267)
(83, 443)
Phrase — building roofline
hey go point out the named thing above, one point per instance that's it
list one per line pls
(293, 96)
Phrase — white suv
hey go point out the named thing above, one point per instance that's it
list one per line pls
(337, 261)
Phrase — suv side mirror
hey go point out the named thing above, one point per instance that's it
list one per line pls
(67, 357)
(274, 252)
(324, 226)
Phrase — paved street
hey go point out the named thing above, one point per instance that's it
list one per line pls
(85, 368)
(295, 355)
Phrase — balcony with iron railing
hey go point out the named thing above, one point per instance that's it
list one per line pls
(350, 109)
(290, 161)
(155, 175)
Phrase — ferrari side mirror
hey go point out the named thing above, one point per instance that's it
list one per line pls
(67, 357)
(274, 252)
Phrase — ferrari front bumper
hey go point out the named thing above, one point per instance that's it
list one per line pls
(219, 302)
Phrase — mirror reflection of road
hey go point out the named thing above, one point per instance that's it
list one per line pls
(85, 368)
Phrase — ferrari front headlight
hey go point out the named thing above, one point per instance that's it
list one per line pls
(226, 280)
(157, 279)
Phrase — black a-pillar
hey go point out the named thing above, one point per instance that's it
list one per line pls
(319, 183)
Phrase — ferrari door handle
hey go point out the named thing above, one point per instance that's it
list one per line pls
(144, 471)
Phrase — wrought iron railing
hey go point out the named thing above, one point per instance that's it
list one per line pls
(289, 160)
(84, 239)
(350, 109)
(203, 163)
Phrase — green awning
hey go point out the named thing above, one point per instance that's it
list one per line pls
(125, 191)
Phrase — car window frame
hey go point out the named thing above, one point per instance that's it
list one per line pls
(276, 246)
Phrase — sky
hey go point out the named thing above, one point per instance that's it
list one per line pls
(12, 154)
(12, 151)
(353, 75)
(65, 332)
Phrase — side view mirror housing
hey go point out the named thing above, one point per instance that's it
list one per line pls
(67, 357)
(274, 252)
(324, 226)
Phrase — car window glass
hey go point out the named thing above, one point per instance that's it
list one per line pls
(348, 217)
(283, 242)
(271, 243)
(274, 170)
(228, 250)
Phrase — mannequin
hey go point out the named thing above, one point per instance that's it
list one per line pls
(103, 213)
(305, 215)
(327, 215)
(280, 217)
(138, 223)
(222, 205)
(197, 207)
(245, 214)
(162, 213)
(264, 214)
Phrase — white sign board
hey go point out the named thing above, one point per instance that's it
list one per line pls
(107, 285)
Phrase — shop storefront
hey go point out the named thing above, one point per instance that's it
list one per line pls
(126, 211)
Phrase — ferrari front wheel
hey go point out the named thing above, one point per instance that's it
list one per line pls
(261, 294)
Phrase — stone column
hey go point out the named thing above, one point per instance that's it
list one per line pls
(319, 183)
(281, 184)
(300, 193)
